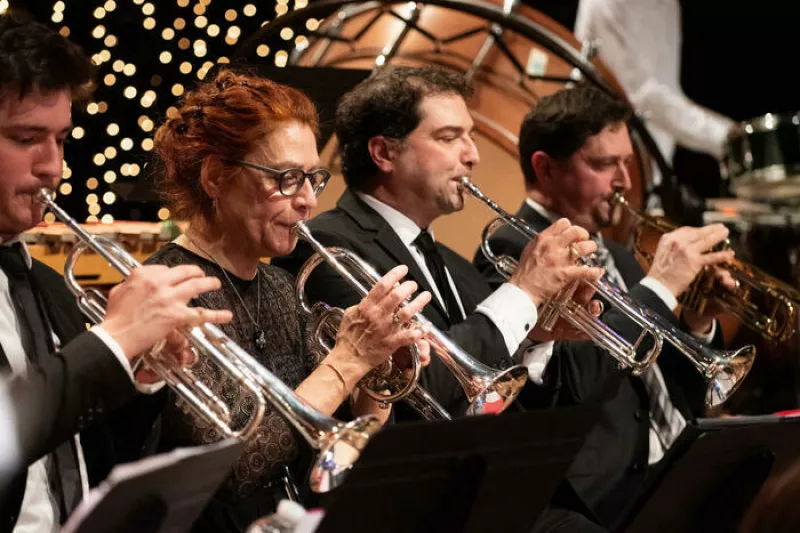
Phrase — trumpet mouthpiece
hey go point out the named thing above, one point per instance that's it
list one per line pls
(43, 196)
(300, 229)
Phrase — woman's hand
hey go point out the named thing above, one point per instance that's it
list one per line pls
(368, 334)
(378, 326)
(362, 404)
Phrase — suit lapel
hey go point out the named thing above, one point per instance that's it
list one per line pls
(61, 319)
(628, 268)
(531, 216)
(386, 239)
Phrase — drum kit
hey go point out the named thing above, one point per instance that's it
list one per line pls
(762, 166)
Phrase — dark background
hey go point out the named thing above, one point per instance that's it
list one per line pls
(739, 58)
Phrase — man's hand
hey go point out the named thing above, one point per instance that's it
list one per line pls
(548, 262)
(563, 330)
(175, 352)
(682, 254)
(700, 323)
(152, 302)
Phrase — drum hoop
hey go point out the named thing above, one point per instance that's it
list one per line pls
(769, 122)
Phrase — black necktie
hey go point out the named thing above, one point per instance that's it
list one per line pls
(424, 243)
(62, 466)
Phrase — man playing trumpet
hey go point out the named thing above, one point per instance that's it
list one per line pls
(575, 151)
(61, 377)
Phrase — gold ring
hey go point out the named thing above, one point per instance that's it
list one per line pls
(573, 252)
(396, 319)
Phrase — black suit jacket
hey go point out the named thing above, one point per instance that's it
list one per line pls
(356, 226)
(613, 463)
(72, 390)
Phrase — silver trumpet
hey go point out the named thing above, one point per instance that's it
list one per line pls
(339, 444)
(489, 391)
(723, 370)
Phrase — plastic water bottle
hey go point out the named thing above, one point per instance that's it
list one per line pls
(284, 520)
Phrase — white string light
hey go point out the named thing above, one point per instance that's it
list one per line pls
(192, 35)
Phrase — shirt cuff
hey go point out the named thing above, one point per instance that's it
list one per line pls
(535, 358)
(661, 291)
(116, 349)
(512, 311)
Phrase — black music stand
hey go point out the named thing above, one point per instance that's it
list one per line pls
(476, 474)
(713, 473)
(160, 494)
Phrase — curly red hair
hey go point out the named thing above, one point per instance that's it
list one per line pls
(217, 124)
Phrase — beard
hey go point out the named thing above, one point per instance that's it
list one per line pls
(605, 215)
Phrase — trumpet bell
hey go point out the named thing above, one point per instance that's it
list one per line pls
(340, 450)
(725, 374)
(502, 389)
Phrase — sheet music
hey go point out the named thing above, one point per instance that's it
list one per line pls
(139, 469)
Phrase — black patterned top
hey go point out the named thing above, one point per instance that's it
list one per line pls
(286, 355)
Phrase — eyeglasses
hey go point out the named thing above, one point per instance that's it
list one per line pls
(291, 180)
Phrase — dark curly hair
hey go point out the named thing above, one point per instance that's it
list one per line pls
(562, 122)
(34, 58)
(386, 103)
(218, 123)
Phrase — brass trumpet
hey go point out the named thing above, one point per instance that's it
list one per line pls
(338, 443)
(723, 370)
(760, 301)
(489, 391)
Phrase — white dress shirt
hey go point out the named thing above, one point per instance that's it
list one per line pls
(509, 307)
(640, 41)
(10, 454)
(38, 513)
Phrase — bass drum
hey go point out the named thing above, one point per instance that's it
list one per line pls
(512, 54)
(762, 158)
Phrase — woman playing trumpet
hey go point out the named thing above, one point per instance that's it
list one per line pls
(240, 164)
